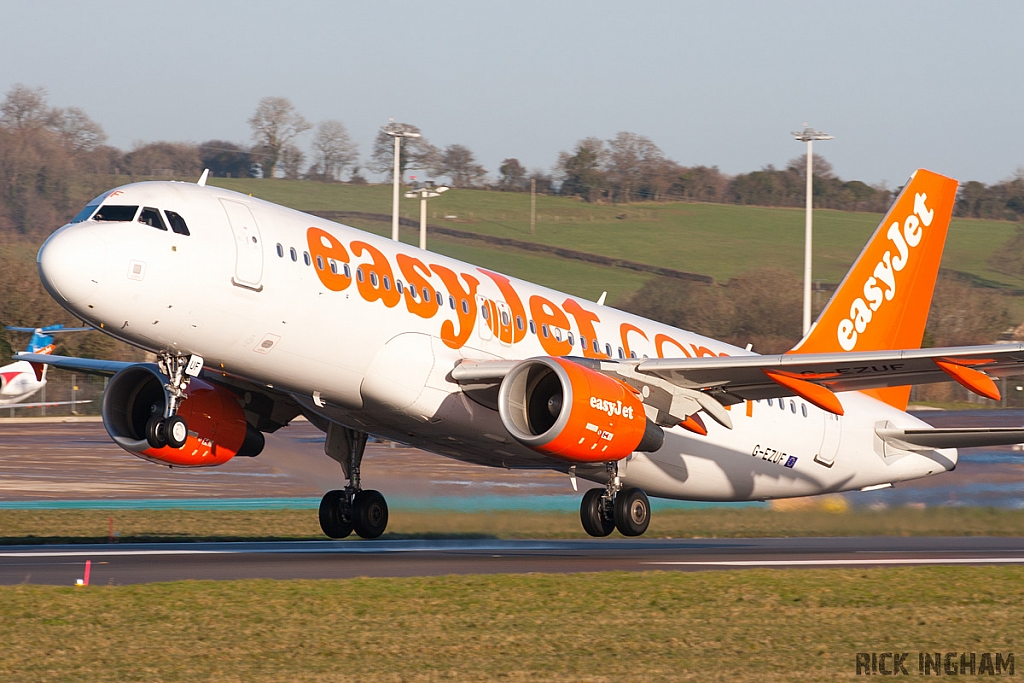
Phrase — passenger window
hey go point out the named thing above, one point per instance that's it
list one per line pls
(483, 311)
(294, 254)
(792, 407)
(413, 292)
(504, 318)
(583, 342)
(572, 340)
(632, 354)
(334, 266)
(803, 409)
(769, 403)
(782, 404)
(305, 258)
(558, 334)
(348, 272)
(465, 306)
(608, 350)
(84, 214)
(319, 262)
(373, 279)
(387, 283)
(533, 328)
(115, 213)
(399, 286)
(519, 322)
(544, 329)
(621, 354)
(597, 347)
(280, 250)
(177, 223)
(426, 295)
(439, 297)
(151, 217)
(359, 274)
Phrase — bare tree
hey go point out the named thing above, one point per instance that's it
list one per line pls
(458, 163)
(292, 159)
(163, 159)
(76, 130)
(24, 108)
(512, 176)
(274, 124)
(414, 153)
(333, 150)
(634, 166)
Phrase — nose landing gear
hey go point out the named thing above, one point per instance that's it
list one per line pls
(169, 428)
(352, 508)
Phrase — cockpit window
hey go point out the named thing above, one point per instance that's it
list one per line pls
(115, 212)
(84, 214)
(177, 223)
(151, 217)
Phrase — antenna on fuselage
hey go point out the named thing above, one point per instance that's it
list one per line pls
(202, 178)
(600, 300)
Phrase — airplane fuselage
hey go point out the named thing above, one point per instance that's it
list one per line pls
(326, 313)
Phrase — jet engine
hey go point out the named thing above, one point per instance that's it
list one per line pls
(565, 410)
(217, 428)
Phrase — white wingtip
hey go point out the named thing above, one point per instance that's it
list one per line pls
(202, 178)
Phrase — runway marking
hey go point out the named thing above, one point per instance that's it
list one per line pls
(107, 553)
(801, 563)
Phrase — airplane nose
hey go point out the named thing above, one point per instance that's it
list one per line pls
(70, 263)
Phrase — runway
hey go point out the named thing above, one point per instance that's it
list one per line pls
(146, 563)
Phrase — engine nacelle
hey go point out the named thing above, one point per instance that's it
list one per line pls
(217, 428)
(571, 412)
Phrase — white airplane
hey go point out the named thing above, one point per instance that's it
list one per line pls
(20, 380)
(259, 313)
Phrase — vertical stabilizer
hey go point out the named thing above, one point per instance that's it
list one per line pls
(883, 302)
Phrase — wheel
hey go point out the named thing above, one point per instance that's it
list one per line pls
(369, 514)
(595, 521)
(332, 519)
(155, 432)
(176, 431)
(632, 512)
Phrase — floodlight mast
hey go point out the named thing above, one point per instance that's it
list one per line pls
(808, 135)
(427, 191)
(397, 131)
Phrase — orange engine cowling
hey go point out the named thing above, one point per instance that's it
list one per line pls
(568, 411)
(217, 428)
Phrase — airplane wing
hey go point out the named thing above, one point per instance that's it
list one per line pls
(967, 437)
(91, 366)
(678, 387)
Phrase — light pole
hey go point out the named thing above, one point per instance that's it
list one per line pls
(808, 135)
(427, 191)
(397, 131)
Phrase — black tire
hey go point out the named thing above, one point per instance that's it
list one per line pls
(369, 514)
(176, 431)
(155, 433)
(632, 512)
(595, 522)
(332, 519)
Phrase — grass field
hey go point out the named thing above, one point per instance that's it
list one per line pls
(759, 625)
(92, 526)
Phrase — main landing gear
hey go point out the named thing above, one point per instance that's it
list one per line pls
(615, 507)
(169, 428)
(352, 508)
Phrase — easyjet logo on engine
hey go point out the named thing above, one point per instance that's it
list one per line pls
(611, 407)
(880, 286)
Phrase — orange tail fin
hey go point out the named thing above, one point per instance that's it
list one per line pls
(883, 302)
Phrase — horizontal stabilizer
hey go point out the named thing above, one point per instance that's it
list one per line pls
(927, 439)
(91, 366)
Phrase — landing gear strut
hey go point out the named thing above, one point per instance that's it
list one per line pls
(615, 507)
(170, 429)
(352, 508)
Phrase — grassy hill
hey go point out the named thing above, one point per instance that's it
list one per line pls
(712, 239)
